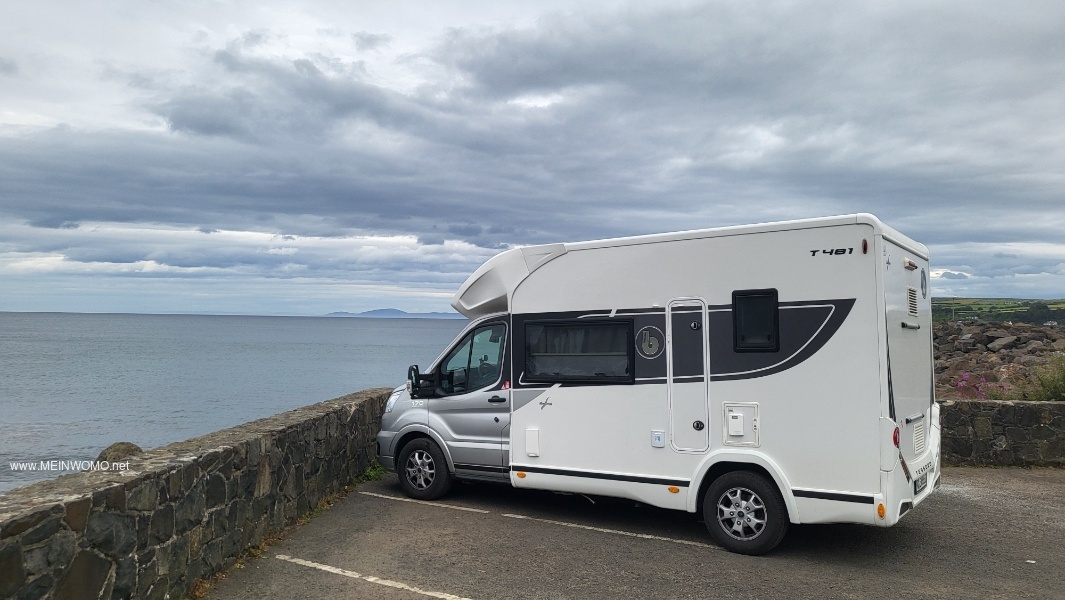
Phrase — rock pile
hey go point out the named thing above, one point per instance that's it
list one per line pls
(976, 359)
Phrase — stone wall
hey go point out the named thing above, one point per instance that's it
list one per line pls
(1006, 434)
(183, 511)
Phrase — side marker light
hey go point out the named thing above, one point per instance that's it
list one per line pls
(673, 489)
(880, 510)
(521, 475)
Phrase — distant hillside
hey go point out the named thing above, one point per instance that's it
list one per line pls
(995, 310)
(395, 313)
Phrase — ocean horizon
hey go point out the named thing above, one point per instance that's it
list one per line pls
(73, 383)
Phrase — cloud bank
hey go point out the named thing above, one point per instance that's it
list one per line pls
(300, 159)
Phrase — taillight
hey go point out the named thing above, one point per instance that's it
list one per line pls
(895, 437)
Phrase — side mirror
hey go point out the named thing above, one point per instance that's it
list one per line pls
(414, 380)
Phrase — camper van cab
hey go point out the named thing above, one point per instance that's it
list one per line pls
(764, 375)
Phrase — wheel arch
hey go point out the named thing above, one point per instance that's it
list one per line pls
(418, 433)
(718, 464)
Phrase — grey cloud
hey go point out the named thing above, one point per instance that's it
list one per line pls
(940, 118)
(7, 66)
(54, 223)
(430, 239)
(953, 275)
(365, 41)
(230, 114)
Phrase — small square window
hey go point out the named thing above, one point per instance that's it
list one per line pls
(755, 321)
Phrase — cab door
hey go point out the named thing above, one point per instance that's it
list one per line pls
(470, 409)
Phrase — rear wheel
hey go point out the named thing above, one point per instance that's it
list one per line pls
(423, 470)
(745, 513)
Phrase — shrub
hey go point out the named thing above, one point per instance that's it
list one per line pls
(1046, 383)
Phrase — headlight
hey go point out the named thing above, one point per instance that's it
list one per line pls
(392, 399)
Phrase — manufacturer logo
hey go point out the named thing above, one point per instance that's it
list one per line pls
(649, 342)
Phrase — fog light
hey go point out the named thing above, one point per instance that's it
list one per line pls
(880, 510)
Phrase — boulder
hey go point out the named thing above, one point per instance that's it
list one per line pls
(1001, 343)
(119, 451)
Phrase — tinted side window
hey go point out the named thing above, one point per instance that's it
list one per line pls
(755, 322)
(476, 361)
(579, 351)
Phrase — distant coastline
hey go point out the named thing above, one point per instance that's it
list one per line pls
(395, 313)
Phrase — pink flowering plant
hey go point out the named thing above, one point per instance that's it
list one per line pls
(976, 389)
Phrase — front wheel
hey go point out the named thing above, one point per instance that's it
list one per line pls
(423, 470)
(745, 513)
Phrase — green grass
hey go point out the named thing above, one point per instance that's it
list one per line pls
(374, 472)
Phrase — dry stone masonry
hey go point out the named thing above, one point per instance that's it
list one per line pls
(184, 511)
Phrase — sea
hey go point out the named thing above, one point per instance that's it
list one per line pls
(72, 384)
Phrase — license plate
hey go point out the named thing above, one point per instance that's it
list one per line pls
(920, 483)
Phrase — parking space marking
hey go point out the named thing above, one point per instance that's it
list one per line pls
(370, 578)
(436, 504)
(645, 536)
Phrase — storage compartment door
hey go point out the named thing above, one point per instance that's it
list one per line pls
(686, 371)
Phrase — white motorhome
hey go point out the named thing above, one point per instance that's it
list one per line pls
(764, 375)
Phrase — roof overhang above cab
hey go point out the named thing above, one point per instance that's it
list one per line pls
(492, 285)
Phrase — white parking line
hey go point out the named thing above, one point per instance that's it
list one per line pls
(645, 536)
(436, 504)
(370, 578)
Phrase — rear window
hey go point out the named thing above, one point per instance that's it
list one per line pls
(579, 351)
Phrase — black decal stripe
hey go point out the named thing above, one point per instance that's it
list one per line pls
(829, 329)
(607, 476)
(833, 496)
(485, 468)
(808, 326)
(654, 381)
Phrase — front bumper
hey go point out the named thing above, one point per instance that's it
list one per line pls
(385, 457)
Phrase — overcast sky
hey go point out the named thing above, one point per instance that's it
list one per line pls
(300, 158)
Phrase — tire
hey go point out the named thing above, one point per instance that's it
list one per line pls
(745, 513)
(422, 470)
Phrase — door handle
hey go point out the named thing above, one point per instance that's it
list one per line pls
(497, 399)
(906, 325)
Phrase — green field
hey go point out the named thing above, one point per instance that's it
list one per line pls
(998, 309)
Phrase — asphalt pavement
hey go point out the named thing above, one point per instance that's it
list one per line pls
(986, 533)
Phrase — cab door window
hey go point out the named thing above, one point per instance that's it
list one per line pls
(476, 362)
